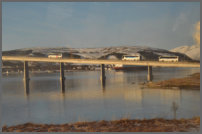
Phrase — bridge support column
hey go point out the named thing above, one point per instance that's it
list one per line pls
(62, 77)
(26, 77)
(149, 75)
(103, 77)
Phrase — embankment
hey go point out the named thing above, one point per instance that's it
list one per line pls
(124, 125)
(190, 82)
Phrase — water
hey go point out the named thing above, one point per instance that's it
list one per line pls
(86, 100)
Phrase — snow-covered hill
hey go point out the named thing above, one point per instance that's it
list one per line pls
(96, 53)
(191, 51)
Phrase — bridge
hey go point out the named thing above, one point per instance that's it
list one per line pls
(150, 64)
(95, 61)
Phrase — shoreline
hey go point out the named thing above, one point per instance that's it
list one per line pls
(191, 82)
(123, 125)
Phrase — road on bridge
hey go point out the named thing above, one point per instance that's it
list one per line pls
(97, 61)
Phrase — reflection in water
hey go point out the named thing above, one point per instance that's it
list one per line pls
(62, 85)
(26, 88)
(103, 83)
(89, 99)
(26, 85)
(28, 105)
(174, 109)
(63, 102)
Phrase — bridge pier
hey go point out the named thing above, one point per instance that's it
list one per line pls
(103, 77)
(26, 77)
(62, 77)
(149, 75)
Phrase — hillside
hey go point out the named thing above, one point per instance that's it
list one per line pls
(147, 53)
(96, 53)
(192, 51)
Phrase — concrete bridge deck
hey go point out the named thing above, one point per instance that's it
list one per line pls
(95, 61)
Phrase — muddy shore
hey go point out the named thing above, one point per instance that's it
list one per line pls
(189, 82)
(123, 125)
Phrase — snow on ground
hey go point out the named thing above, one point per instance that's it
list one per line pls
(95, 53)
(191, 51)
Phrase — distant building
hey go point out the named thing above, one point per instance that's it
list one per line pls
(134, 57)
(52, 55)
(168, 58)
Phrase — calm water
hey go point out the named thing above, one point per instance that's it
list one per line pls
(86, 100)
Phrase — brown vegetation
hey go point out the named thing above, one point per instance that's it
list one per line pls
(190, 82)
(124, 125)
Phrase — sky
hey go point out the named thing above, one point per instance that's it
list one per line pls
(98, 24)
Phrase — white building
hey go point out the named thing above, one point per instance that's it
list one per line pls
(168, 58)
(55, 56)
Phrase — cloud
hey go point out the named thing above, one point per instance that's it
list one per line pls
(196, 35)
(179, 21)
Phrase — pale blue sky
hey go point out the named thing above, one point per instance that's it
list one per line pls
(98, 24)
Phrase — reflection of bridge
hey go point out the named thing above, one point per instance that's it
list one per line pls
(93, 61)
